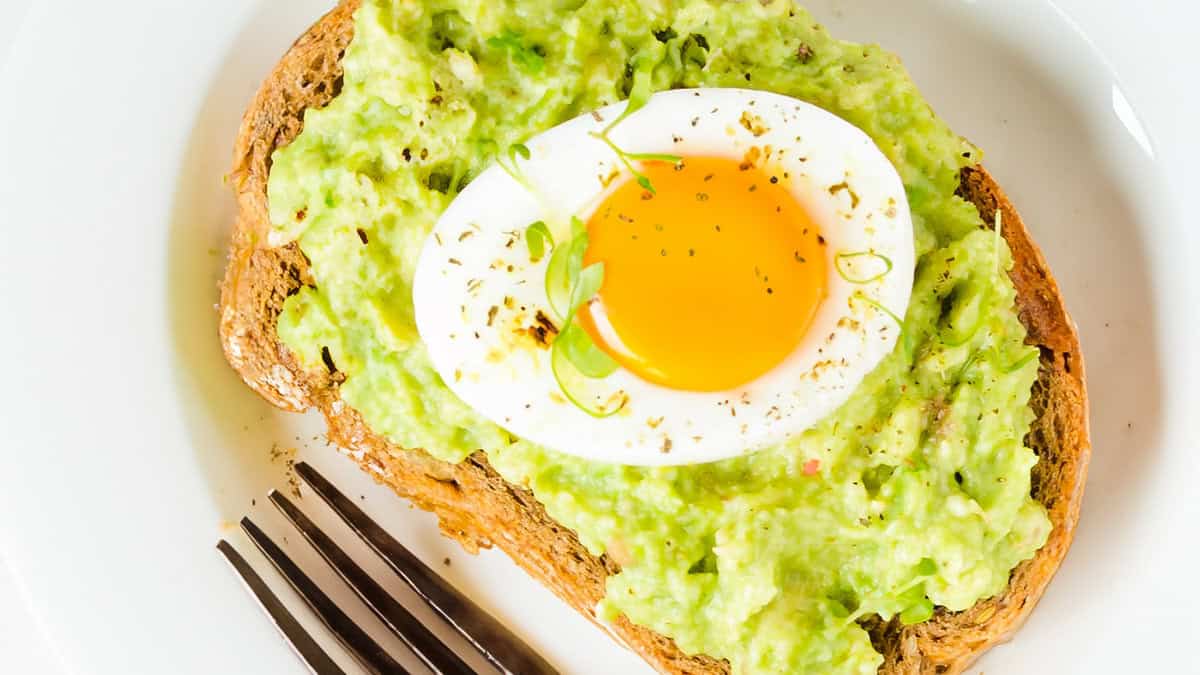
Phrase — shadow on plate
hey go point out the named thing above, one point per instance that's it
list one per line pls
(235, 434)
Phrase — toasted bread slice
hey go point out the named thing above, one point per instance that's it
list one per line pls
(480, 509)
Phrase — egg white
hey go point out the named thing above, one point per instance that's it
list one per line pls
(476, 292)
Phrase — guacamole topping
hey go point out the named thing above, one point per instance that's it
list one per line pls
(914, 494)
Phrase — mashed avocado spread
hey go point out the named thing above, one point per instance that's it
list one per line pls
(915, 493)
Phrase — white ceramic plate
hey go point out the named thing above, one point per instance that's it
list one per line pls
(129, 446)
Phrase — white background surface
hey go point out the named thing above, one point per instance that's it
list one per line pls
(20, 640)
(1124, 601)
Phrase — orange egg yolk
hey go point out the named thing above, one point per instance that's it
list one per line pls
(709, 282)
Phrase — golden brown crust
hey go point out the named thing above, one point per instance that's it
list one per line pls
(258, 278)
(478, 508)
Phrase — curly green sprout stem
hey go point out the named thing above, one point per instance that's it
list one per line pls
(858, 295)
(851, 255)
(639, 94)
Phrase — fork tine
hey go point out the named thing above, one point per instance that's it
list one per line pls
(495, 642)
(368, 652)
(301, 642)
(424, 644)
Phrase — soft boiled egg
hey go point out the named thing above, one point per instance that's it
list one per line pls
(744, 296)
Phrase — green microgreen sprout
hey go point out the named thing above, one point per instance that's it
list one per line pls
(859, 295)
(518, 150)
(538, 239)
(847, 256)
(558, 282)
(509, 161)
(565, 263)
(574, 357)
(577, 346)
(639, 94)
(574, 387)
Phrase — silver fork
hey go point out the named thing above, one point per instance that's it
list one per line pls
(491, 639)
